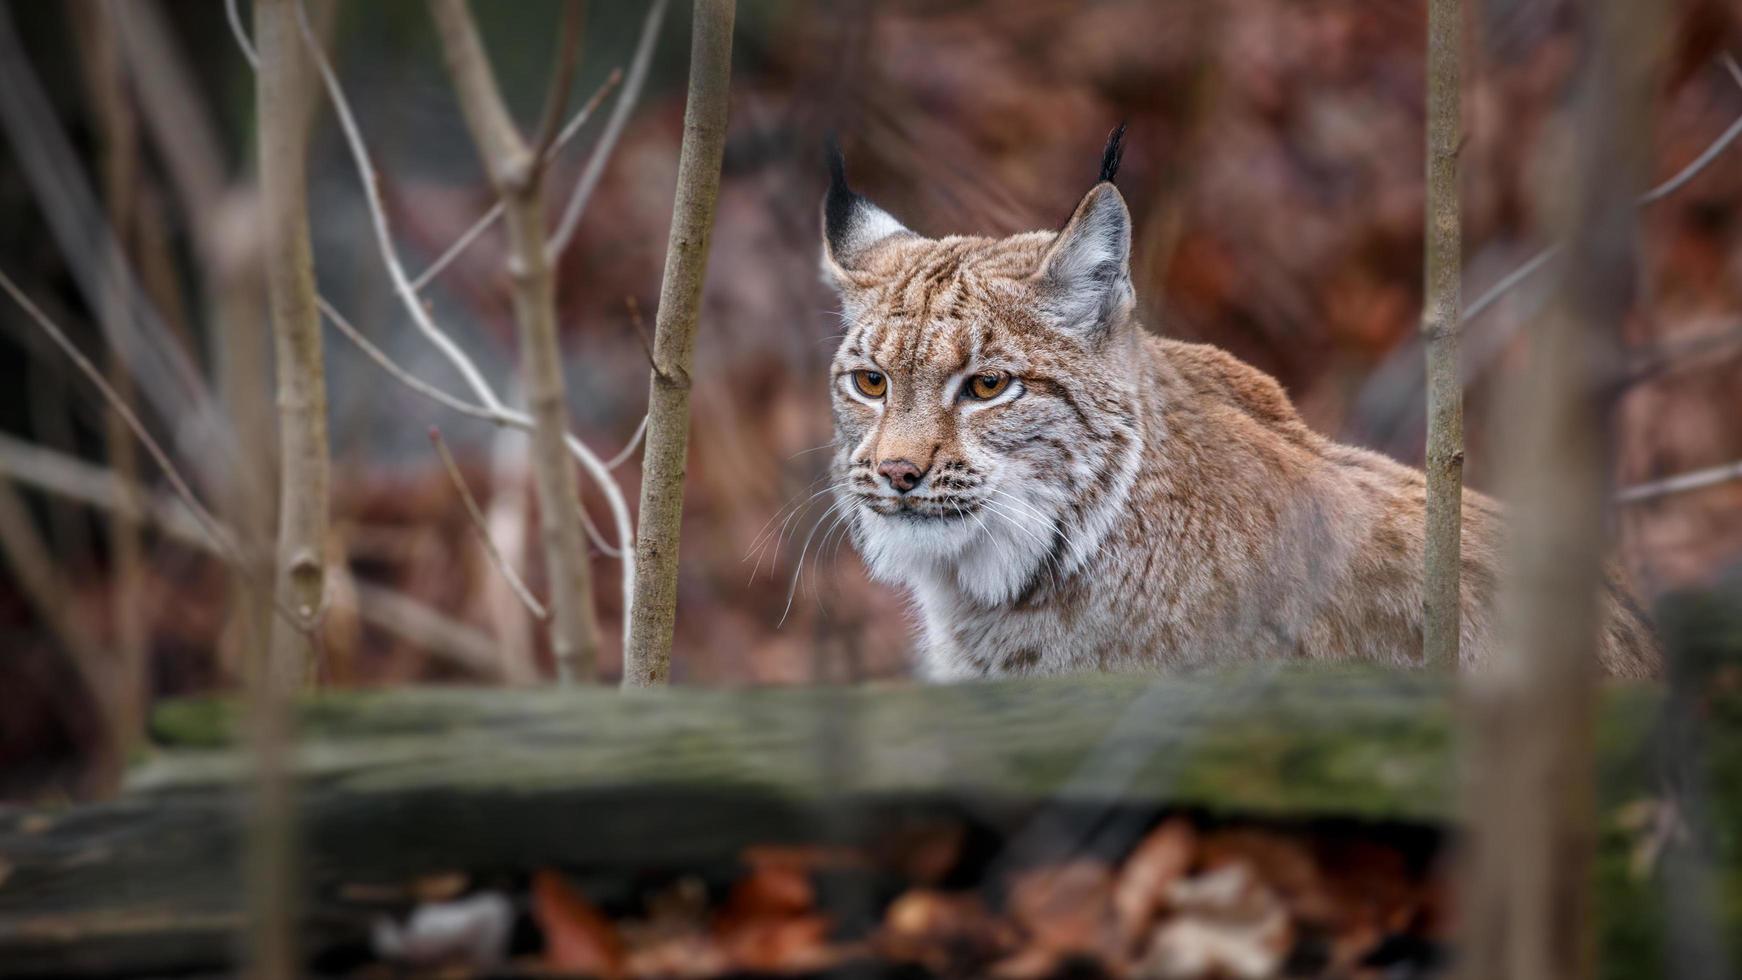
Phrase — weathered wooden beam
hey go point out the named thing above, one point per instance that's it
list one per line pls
(494, 782)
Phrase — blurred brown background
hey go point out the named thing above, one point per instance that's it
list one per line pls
(1274, 168)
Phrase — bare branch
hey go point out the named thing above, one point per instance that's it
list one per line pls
(491, 216)
(1697, 480)
(647, 659)
(411, 381)
(515, 174)
(477, 515)
(556, 97)
(594, 466)
(629, 449)
(1529, 798)
(234, 16)
(48, 471)
(378, 221)
(595, 169)
(641, 334)
(168, 378)
(1441, 608)
(1658, 193)
(208, 524)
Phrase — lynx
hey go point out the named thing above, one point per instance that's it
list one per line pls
(1060, 489)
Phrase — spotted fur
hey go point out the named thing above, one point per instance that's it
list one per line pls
(1128, 501)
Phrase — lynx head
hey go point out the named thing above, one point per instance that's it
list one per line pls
(983, 391)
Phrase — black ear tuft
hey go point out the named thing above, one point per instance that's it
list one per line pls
(838, 206)
(1111, 156)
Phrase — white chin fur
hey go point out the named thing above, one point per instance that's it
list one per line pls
(987, 556)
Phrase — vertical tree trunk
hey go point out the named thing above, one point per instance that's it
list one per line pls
(654, 610)
(518, 176)
(281, 99)
(1439, 326)
(1529, 795)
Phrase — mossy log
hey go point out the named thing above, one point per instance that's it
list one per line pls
(395, 784)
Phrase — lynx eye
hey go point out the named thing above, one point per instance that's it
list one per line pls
(987, 386)
(871, 384)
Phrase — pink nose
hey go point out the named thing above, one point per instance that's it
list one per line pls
(901, 474)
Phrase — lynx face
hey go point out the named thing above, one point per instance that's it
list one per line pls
(983, 395)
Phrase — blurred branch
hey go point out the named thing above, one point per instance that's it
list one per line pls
(647, 658)
(40, 578)
(168, 378)
(595, 169)
(1696, 480)
(516, 175)
(1529, 796)
(477, 515)
(1391, 393)
(1658, 193)
(184, 137)
(118, 138)
(301, 385)
(562, 77)
(428, 630)
(47, 471)
(209, 525)
(272, 868)
(1442, 612)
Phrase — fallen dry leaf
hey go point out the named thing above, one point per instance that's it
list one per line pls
(798, 944)
(1224, 923)
(1190, 947)
(1162, 858)
(769, 923)
(678, 957)
(577, 937)
(950, 934)
(1066, 908)
(471, 932)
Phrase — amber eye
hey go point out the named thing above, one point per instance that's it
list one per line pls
(987, 386)
(871, 384)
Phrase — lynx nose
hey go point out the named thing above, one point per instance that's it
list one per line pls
(901, 474)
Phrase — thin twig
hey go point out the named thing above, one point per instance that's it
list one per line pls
(411, 381)
(494, 214)
(208, 523)
(1658, 193)
(51, 472)
(219, 537)
(519, 182)
(234, 16)
(378, 221)
(1696, 480)
(556, 97)
(641, 334)
(506, 417)
(629, 449)
(595, 169)
(459, 480)
(593, 534)
(595, 467)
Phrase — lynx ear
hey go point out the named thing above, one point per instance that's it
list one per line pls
(1085, 277)
(851, 224)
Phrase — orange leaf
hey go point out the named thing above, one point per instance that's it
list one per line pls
(577, 937)
(1163, 857)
